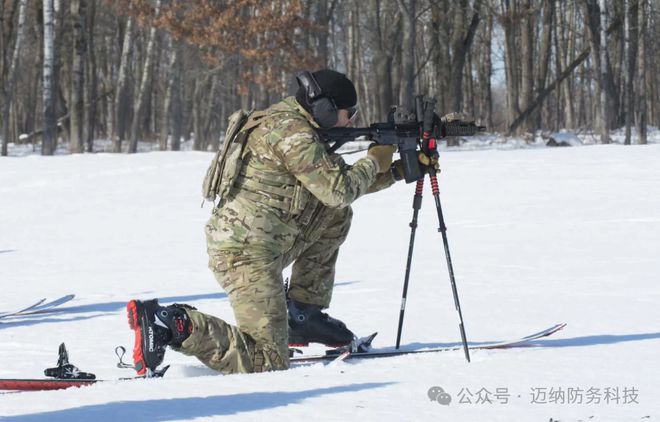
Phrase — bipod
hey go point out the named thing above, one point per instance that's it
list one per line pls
(429, 148)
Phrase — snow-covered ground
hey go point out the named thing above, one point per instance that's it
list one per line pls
(538, 236)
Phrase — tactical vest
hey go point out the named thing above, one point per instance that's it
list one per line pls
(239, 179)
(227, 162)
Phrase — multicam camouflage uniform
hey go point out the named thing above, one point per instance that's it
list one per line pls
(290, 204)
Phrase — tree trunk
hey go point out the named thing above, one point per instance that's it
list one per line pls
(146, 77)
(2, 46)
(461, 44)
(3, 123)
(59, 76)
(50, 125)
(527, 58)
(11, 77)
(92, 81)
(408, 11)
(604, 109)
(325, 11)
(177, 104)
(544, 50)
(510, 62)
(641, 80)
(121, 97)
(108, 67)
(209, 113)
(382, 61)
(76, 122)
(197, 143)
(173, 50)
(487, 98)
(630, 53)
(565, 49)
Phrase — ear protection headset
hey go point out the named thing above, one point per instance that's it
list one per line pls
(323, 108)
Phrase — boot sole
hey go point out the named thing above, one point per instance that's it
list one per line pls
(133, 312)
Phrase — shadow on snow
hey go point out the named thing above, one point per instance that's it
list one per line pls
(593, 340)
(100, 309)
(191, 407)
(97, 309)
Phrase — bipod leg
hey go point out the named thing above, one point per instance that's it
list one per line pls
(417, 205)
(443, 229)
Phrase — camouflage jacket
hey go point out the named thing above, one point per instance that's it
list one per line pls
(286, 179)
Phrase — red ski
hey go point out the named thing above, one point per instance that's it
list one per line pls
(42, 384)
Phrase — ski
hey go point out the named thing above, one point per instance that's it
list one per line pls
(34, 305)
(520, 342)
(39, 307)
(66, 375)
(45, 384)
(42, 384)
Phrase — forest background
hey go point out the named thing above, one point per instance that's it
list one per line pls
(165, 72)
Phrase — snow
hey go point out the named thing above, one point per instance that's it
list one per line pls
(537, 236)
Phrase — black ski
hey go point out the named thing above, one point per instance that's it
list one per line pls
(519, 342)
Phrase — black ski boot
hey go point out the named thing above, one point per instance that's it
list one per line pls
(307, 324)
(155, 328)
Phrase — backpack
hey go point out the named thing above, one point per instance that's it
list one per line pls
(228, 161)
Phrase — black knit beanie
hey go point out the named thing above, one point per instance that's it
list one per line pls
(334, 85)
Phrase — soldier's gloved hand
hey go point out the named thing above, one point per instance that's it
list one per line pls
(425, 163)
(382, 155)
(428, 161)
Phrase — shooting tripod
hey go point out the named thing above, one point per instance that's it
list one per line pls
(429, 147)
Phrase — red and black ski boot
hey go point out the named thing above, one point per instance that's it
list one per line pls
(156, 327)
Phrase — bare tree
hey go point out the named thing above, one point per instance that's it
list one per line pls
(140, 99)
(173, 51)
(50, 125)
(545, 49)
(527, 55)
(508, 19)
(604, 109)
(641, 80)
(408, 12)
(91, 90)
(121, 97)
(10, 85)
(76, 123)
(385, 27)
(461, 43)
(630, 50)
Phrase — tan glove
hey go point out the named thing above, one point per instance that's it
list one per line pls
(427, 161)
(382, 155)
(424, 160)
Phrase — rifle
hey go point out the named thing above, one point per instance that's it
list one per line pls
(409, 131)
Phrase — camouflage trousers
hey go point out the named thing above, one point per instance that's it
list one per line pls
(253, 282)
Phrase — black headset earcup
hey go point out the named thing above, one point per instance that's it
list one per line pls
(325, 112)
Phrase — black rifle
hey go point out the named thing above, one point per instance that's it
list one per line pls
(404, 129)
